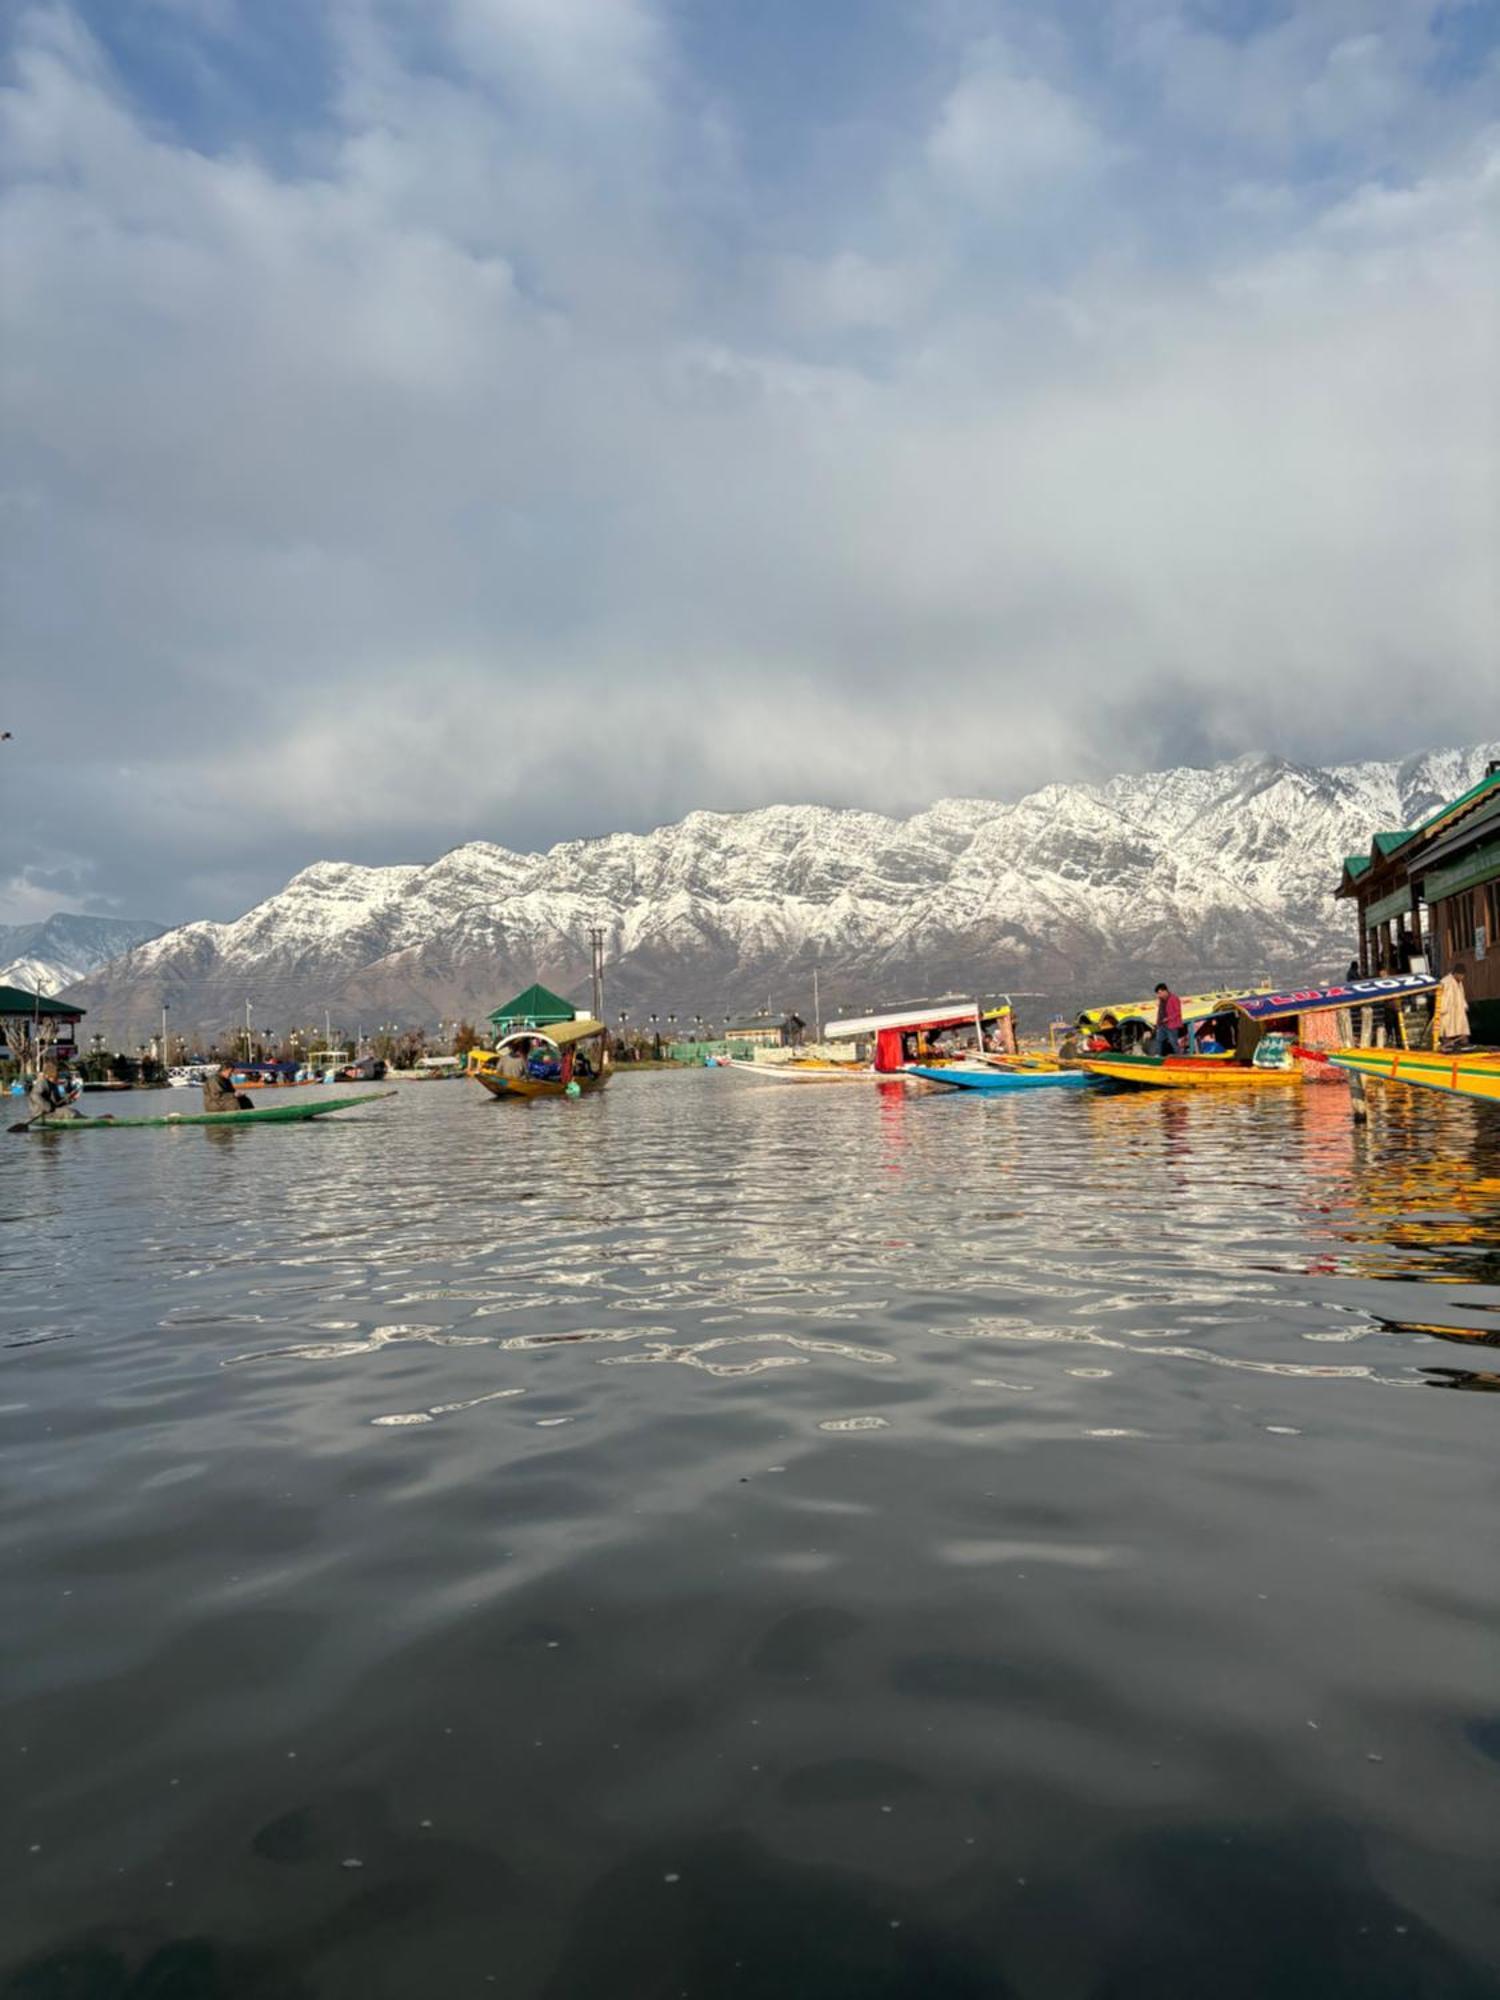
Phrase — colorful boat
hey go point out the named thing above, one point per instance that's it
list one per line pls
(1472, 1073)
(902, 1037)
(574, 1061)
(273, 1114)
(997, 1076)
(1187, 1073)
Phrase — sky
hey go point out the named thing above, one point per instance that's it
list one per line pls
(432, 420)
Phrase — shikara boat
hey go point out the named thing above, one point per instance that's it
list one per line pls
(999, 1076)
(273, 1114)
(1187, 1073)
(809, 1069)
(902, 1038)
(1472, 1073)
(576, 1052)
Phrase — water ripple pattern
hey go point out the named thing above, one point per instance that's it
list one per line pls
(709, 1540)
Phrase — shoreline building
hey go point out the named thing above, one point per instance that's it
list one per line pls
(33, 1025)
(1433, 890)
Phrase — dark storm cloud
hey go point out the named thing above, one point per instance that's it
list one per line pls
(528, 419)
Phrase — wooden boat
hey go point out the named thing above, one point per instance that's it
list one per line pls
(1471, 1073)
(992, 1077)
(902, 1038)
(1187, 1073)
(581, 1050)
(273, 1114)
(806, 1069)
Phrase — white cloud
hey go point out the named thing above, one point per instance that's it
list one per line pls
(523, 445)
(1004, 137)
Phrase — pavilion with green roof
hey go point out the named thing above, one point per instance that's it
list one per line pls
(535, 1008)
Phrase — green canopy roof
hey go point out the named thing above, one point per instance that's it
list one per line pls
(535, 1008)
(14, 1000)
(1389, 842)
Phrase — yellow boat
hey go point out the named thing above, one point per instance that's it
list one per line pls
(578, 1051)
(1471, 1073)
(1201, 1073)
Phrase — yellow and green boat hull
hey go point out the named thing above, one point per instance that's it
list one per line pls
(1470, 1074)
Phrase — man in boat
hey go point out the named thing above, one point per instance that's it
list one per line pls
(1453, 1009)
(1103, 1039)
(219, 1093)
(50, 1097)
(512, 1061)
(1168, 1038)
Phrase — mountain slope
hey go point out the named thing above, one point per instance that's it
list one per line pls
(1070, 893)
(46, 957)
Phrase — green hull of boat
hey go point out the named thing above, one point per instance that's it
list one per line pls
(273, 1114)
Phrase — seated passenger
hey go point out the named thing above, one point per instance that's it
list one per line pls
(219, 1093)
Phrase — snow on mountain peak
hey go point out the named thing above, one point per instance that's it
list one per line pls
(1192, 874)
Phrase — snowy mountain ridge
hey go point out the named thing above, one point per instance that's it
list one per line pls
(1074, 890)
(62, 949)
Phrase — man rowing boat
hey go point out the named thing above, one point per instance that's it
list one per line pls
(50, 1097)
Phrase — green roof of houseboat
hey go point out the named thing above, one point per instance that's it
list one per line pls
(16, 1000)
(535, 1008)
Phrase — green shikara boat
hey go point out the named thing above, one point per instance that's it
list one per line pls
(273, 1114)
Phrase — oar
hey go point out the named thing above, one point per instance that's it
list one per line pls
(36, 1117)
(27, 1123)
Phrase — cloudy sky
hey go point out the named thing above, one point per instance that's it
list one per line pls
(437, 419)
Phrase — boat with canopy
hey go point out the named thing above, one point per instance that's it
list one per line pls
(566, 1059)
(929, 1032)
(1286, 1036)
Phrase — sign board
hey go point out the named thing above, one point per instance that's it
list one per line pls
(1351, 993)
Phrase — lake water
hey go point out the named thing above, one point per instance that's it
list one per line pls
(726, 1539)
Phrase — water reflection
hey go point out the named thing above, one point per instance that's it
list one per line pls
(748, 1542)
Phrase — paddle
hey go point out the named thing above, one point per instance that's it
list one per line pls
(36, 1117)
(27, 1123)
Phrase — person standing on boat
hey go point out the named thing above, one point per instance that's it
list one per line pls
(1168, 1037)
(1453, 1009)
(219, 1093)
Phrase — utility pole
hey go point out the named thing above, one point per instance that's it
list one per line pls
(596, 968)
(165, 1058)
(247, 1031)
(817, 1010)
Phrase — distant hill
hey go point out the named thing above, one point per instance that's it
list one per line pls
(48, 956)
(1077, 892)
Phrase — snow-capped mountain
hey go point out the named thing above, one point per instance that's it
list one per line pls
(46, 957)
(1074, 893)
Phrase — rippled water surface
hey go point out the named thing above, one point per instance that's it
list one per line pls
(733, 1539)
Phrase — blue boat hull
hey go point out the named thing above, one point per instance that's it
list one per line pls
(1008, 1079)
